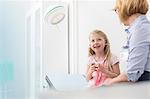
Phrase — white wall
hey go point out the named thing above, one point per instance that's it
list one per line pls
(55, 42)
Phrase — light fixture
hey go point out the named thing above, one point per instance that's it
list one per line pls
(55, 15)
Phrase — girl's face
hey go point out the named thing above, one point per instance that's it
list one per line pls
(97, 43)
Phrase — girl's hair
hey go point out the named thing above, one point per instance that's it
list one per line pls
(107, 51)
(126, 8)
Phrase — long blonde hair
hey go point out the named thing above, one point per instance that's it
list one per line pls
(126, 8)
(107, 51)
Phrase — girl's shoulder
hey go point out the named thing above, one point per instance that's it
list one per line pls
(91, 58)
(114, 59)
(114, 56)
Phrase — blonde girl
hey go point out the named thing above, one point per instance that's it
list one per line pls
(102, 64)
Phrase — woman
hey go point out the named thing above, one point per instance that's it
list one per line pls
(132, 13)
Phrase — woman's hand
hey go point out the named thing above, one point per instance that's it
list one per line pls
(108, 81)
(121, 78)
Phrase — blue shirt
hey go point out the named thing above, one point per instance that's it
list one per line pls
(138, 48)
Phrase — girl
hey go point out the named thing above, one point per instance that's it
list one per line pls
(102, 64)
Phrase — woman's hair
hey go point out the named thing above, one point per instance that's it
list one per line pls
(107, 51)
(126, 8)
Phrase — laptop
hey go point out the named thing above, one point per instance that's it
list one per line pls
(66, 81)
(49, 82)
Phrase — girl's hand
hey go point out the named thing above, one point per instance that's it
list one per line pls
(92, 68)
(101, 68)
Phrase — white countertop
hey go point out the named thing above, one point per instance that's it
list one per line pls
(117, 91)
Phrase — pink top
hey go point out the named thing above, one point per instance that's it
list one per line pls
(98, 77)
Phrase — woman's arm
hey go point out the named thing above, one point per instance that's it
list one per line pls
(121, 78)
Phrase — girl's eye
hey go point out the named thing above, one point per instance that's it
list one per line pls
(99, 39)
(92, 40)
